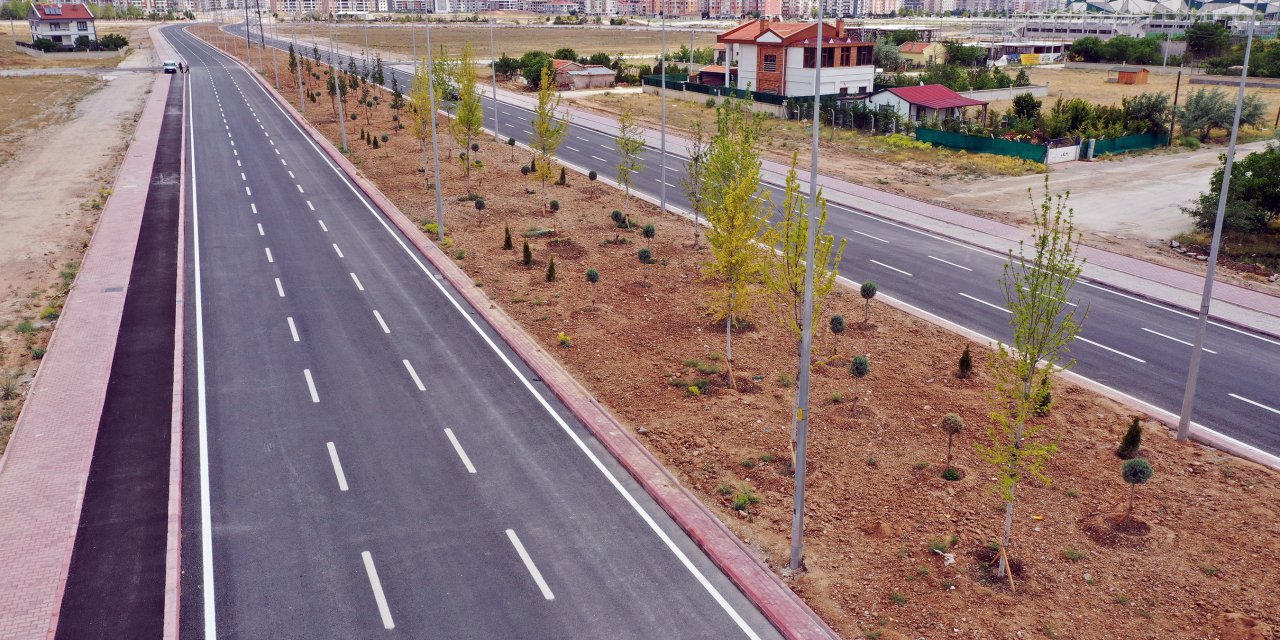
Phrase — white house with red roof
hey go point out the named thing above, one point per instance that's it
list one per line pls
(64, 24)
(924, 102)
(779, 57)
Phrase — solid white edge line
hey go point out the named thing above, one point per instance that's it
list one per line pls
(414, 374)
(528, 564)
(958, 266)
(457, 446)
(889, 267)
(1177, 340)
(1255, 403)
(1103, 346)
(582, 446)
(311, 385)
(208, 600)
(981, 301)
(337, 466)
(378, 596)
(357, 281)
(293, 329)
(381, 322)
(335, 248)
(279, 288)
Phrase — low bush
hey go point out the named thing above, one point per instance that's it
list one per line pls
(551, 269)
(527, 255)
(966, 363)
(645, 256)
(1131, 442)
(592, 175)
(506, 238)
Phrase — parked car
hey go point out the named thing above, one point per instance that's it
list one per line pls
(170, 66)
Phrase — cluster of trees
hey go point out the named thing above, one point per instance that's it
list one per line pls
(1253, 205)
(956, 78)
(1264, 61)
(531, 64)
(1120, 49)
(1207, 109)
(1027, 120)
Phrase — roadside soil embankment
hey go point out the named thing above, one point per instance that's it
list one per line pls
(641, 337)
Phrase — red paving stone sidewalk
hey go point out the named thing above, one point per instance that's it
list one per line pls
(43, 473)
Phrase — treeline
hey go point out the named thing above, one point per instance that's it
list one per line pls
(956, 78)
(530, 65)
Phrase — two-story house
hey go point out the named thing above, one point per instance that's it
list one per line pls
(64, 24)
(779, 57)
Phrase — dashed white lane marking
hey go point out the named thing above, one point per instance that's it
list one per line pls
(571, 148)
(233, 143)
(337, 466)
(299, 187)
(293, 329)
(238, 164)
(528, 564)
(958, 266)
(414, 374)
(234, 152)
(1255, 403)
(980, 301)
(276, 150)
(283, 162)
(279, 288)
(260, 231)
(1103, 346)
(290, 173)
(357, 281)
(311, 385)
(599, 158)
(311, 206)
(871, 236)
(242, 176)
(457, 447)
(253, 207)
(378, 596)
(269, 257)
(889, 267)
(1177, 340)
(322, 227)
(381, 323)
(339, 251)
(247, 192)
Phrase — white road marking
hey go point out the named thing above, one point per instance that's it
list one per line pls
(299, 188)
(1181, 313)
(599, 158)
(260, 231)
(253, 207)
(1103, 346)
(1255, 403)
(337, 466)
(311, 206)
(283, 162)
(290, 173)
(276, 150)
(528, 131)
(247, 192)
(871, 236)
(979, 301)
(378, 596)
(335, 248)
(233, 143)
(238, 164)
(279, 288)
(414, 374)
(269, 258)
(234, 152)
(528, 564)
(950, 263)
(570, 148)
(357, 281)
(1179, 341)
(311, 385)
(242, 176)
(466, 462)
(381, 322)
(293, 329)
(326, 229)
(889, 267)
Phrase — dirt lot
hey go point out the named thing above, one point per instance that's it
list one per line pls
(396, 41)
(1205, 569)
(51, 202)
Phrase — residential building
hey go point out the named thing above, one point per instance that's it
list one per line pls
(882, 7)
(923, 53)
(938, 7)
(64, 24)
(924, 102)
(571, 75)
(775, 57)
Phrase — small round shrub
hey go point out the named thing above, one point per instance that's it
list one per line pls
(462, 155)
(616, 216)
(711, 103)
(645, 255)
(479, 204)
(951, 474)
(385, 137)
(593, 276)
(1136, 471)
(555, 205)
(860, 366)
(592, 175)
(355, 116)
(475, 146)
(837, 324)
(511, 142)
(649, 231)
(524, 171)
(868, 290)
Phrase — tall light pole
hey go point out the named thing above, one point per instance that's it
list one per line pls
(248, 36)
(493, 65)
(335, 69)
(297, 59)
(662, 156)
(435, 145)
(262, 37)
(806, 325)
(1193, 370)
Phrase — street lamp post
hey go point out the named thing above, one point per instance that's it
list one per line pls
(1193, 370)
(493, 65)
(662, 154)
(297, 59)
(806, 326)
(435, 146)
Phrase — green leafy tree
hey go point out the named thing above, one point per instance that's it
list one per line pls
(468, 121)
(565, 53)
(1088, 49)
(1209, 109)
(887, 57)
(1026, 107)
(1022, 79)
(1135, 472)
(532, 65)
(731, 187)
(293, 59)
(952, 424)
(695, 169)
(1253, 205)
(629, 143)
(1207, 38)
(1036, 290)
(548, 133)
(1147, 112)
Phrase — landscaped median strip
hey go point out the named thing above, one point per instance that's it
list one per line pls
(779, 604)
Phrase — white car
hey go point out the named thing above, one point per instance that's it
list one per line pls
(170, 66)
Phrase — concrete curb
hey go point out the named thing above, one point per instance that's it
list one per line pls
(775, 600)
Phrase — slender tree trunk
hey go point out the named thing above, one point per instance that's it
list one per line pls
(1008, 535)
(950, 436)
(728, 348)
(1133, 492)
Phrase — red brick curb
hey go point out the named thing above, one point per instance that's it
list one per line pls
(775, 600)
(44, 471)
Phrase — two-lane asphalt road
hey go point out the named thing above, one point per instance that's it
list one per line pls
(368, 459)
(1133, 345)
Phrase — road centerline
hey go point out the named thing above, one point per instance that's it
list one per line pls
(337, 466)
(528, 564)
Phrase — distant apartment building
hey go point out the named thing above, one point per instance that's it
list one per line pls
(938, 7)
(600, 7)
(882, 7)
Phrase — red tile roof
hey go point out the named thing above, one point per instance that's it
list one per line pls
(934, 96)
(62, 12)
(712, 68)
(914, 47)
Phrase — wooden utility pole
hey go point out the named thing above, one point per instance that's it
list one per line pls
(1173, 116)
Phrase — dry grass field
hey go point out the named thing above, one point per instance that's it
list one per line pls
(35, 102)
(12, 58)
(396, 41)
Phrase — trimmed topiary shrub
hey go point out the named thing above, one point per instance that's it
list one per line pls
(616, 216)
(555, 205)
(951, 474)
(592, 175)
(867, 291)
(1131, 442)
(524, 171)
(564, 178)
(506, 238)
(593, 276)
(479, 204)
(1135, 472)
(475, 146)
(951, 425)
(966, 363)
(859, 367)
(837, 327)
(527, 257)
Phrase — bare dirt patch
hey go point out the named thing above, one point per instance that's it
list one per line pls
(13, 58)
(877, 505)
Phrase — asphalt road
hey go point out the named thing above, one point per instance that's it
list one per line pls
(366, 458)
(1133, 345)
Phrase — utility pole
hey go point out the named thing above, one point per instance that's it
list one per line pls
(337, 85)
(435, 145)
(493, 65)
(1173, 116)
(248, 37)
(298, 58)
(262, 38)
(806, 325)
(662, 154)
(1188, 397)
